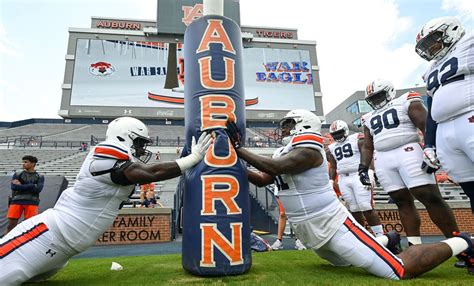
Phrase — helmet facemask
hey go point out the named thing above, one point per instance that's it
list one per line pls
(437, 37)
(139, 146)
(432, 45)
(379, 99)
(286, 130)
(339, 135)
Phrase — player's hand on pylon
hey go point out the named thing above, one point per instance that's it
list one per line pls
(430, 160)
(200, 148)
(198, 151)
(364, 175)
(233, 132)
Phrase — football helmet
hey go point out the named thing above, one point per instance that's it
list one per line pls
(437, 37)
(379, 92)
(299, 120)
(339, 130)
(132, 133)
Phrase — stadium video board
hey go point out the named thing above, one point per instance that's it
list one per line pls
(111, 73)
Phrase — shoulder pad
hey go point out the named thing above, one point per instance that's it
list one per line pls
(413, 95)
(308, 139)
(109, 150)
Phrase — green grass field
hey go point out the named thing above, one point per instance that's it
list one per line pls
(269, 268)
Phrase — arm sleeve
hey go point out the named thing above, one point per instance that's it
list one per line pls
(117, 176)
(431, 126)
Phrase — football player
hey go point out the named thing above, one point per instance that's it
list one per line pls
(344, 160)
(450, 85)
(320, 220)
(39, 247)
(391, 130)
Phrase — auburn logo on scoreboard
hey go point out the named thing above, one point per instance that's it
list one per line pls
(191, 13)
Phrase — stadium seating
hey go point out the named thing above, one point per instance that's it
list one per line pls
(58, 156)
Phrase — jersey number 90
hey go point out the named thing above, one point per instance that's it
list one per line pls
(388, 120)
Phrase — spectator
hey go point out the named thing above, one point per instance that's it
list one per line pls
(158, 156)
(178, 150)
(83, 146)
(26, 187)
(144, 190)
(150, 200)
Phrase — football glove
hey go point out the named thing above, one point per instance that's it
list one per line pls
(233, 132)
(364, 175)
(430, 160)
(198, 151)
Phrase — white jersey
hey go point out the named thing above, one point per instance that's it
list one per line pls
(86, 210)
(347, 154)
(276, 154)
(309, 195)
(450, 81)
(390, 126)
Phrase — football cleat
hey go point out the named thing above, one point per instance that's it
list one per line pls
(299, 245)
(277, 245)
(468, 255)
(460, 263)
(394, 242)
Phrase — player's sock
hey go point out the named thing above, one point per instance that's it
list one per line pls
(457, 244)
(377, 230)
(413, 240)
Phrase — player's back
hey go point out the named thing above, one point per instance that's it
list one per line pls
(450, 81)
(390, 126)
(347, 154)
(86, 210)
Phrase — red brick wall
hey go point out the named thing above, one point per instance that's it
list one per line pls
(391, 220)
(138, 228)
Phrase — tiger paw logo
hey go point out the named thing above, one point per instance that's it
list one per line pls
(101, 69)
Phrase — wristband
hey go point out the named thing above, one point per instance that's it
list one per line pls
(187, 162)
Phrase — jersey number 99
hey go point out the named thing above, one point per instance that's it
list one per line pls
(343, 152)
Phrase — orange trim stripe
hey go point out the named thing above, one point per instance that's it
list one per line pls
(381, 251)
(110, 152)
(252, 101)
(308, 137)
(413, 94)
(180, 100)
(167, 99)
(18, 241)
(280, 206)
